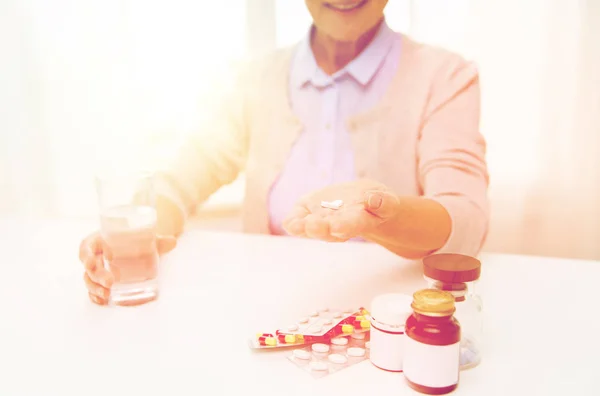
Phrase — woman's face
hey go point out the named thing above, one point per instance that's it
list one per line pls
(345, 20)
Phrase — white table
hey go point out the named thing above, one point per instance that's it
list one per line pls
(541, 319)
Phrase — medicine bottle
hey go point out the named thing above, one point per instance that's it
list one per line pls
(432, 343)
(388, 316)
(458, 274)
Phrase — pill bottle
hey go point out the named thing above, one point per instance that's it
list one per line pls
(432, 343)
(388, 317)
(459, 275)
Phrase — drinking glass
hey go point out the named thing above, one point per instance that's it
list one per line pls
(128, 228)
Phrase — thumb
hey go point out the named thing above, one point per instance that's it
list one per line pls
(165, 244)
(382, 204)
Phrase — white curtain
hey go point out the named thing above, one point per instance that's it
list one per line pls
(82, 81)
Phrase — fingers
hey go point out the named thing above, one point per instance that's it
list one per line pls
(350, 224)
(297, 213)
(317, 227)
(296, 227)
(97, 300)
(165, 244)
(382, 204)
(94, 267)
(90, 246)
(100, 293)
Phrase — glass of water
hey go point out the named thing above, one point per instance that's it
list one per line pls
(128, 228)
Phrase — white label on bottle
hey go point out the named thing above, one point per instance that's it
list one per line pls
(387, 349)
(434, 366)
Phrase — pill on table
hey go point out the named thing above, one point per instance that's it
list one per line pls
(339, 341)
(327, 322)
(337, 358)
(318, 366)
(301, 354)
(368, 344)
(292, 327)
(358, 336)
(320, 348)
(324, 309)
(359, 317)
(314, 313)
(346, 328)
(337, 315)
(356, 352)
(303, 320)
(287, 338)
(348, 310)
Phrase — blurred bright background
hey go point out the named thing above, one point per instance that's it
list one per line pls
(87, 81)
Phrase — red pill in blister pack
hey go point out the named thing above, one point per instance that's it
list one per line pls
(317, 326)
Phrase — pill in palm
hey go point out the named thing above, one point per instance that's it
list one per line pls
(332, 204)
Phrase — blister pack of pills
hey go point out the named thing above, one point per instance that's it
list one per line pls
(322, 359)
(318, 327)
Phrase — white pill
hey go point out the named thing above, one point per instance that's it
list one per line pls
(301, 354)
(303, 320)
(356, 352)
(368, 344)
(348, 310)
(327, 322)
(312, 320)
(314, 313)
(337, 315)
(318, 366)
(339, 341)
(337, 358)
(358, 336)
(320, 348)
(324, 309)
(332, 204)
(292, 327)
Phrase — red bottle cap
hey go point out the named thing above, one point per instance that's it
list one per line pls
(451, 268)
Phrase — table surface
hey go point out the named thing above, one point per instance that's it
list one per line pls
(541, 326)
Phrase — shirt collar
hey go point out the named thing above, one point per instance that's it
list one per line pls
(362, 68)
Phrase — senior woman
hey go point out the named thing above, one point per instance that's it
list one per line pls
(354, 113)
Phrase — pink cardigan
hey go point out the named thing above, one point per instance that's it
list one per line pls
(422, 139)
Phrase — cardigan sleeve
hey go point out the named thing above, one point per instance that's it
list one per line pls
(211, 157)
(452, 164)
